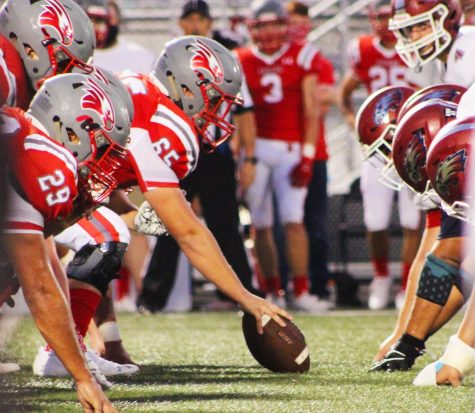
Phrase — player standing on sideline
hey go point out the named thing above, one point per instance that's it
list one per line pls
(283, 87)
(375, 64)
(315, 217)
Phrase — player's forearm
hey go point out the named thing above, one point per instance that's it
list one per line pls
(311, 110)
(246, 126)
(48, 306)
(52, 316)
(203, 252)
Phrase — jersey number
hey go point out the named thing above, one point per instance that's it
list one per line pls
(275, 93)
(164, 145)
(383, 76)
(50, 183)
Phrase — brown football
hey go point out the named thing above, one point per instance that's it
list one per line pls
(279, 349)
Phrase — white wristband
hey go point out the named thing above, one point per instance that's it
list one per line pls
(459, 355)
(308, 150)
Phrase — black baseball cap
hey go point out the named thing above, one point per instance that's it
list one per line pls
(195, 6)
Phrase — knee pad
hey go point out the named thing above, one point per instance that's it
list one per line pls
(97, 265)
(437, 279)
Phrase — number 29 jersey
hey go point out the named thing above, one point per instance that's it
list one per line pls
(43, 174)
(275, 84)
(375, 66)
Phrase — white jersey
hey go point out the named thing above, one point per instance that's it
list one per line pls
(461, 59)
(125, 55)
(431, 73)
(466, 105)
(101, 226)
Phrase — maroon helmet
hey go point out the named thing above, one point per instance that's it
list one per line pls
(447, 92)
(442, 17)
(412, 138)
(375, 124)
(379, 13)
(448, 166)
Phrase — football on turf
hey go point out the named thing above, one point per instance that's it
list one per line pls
(279, 349)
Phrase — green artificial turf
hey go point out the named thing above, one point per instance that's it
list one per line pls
(199, 363)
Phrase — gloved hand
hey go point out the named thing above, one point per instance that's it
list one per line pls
(302, 173)
(147, 222)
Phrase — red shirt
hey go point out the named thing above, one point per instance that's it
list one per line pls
(375, 66)
(44, 174)
(325, 75)
(275, 84)
(163, 145)
(14, 86)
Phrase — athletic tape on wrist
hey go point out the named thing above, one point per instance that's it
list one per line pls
(459, 355)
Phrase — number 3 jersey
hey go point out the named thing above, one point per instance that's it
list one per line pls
(275, 83)
(163, 146)
(42, 174)
(374, 65)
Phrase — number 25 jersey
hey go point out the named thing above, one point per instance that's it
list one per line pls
(375, 66)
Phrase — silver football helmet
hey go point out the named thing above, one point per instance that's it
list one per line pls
(204, 79)
(51, 36)
(87, 117)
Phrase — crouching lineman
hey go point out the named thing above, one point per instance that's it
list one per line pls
(70, 139)
(448, 166)
(192, 89)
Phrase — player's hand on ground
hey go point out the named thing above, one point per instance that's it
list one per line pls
(259, 307)
(93, 399)
(449, 375)
(401, 357)
(385, 346)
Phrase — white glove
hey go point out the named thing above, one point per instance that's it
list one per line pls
(147, 222)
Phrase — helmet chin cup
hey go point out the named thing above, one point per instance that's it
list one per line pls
(389, 177)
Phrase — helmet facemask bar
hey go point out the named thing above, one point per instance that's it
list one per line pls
(217, 107)
(59, 54)
(460, 210)
(97, 171)
(411, 51)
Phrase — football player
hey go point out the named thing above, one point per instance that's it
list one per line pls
(69, 140)
(193, 86)
(282, 85)
(449, 159)
(375, 64)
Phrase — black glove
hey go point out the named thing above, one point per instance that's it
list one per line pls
(401, 356)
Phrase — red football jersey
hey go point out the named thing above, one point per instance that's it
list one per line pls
(14, 86)
(375, 66)
(43, 174)
(275, 85)
(163, 145)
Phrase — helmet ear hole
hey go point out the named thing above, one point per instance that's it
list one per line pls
(73, 137)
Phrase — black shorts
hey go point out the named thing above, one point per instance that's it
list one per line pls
(450, 227)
